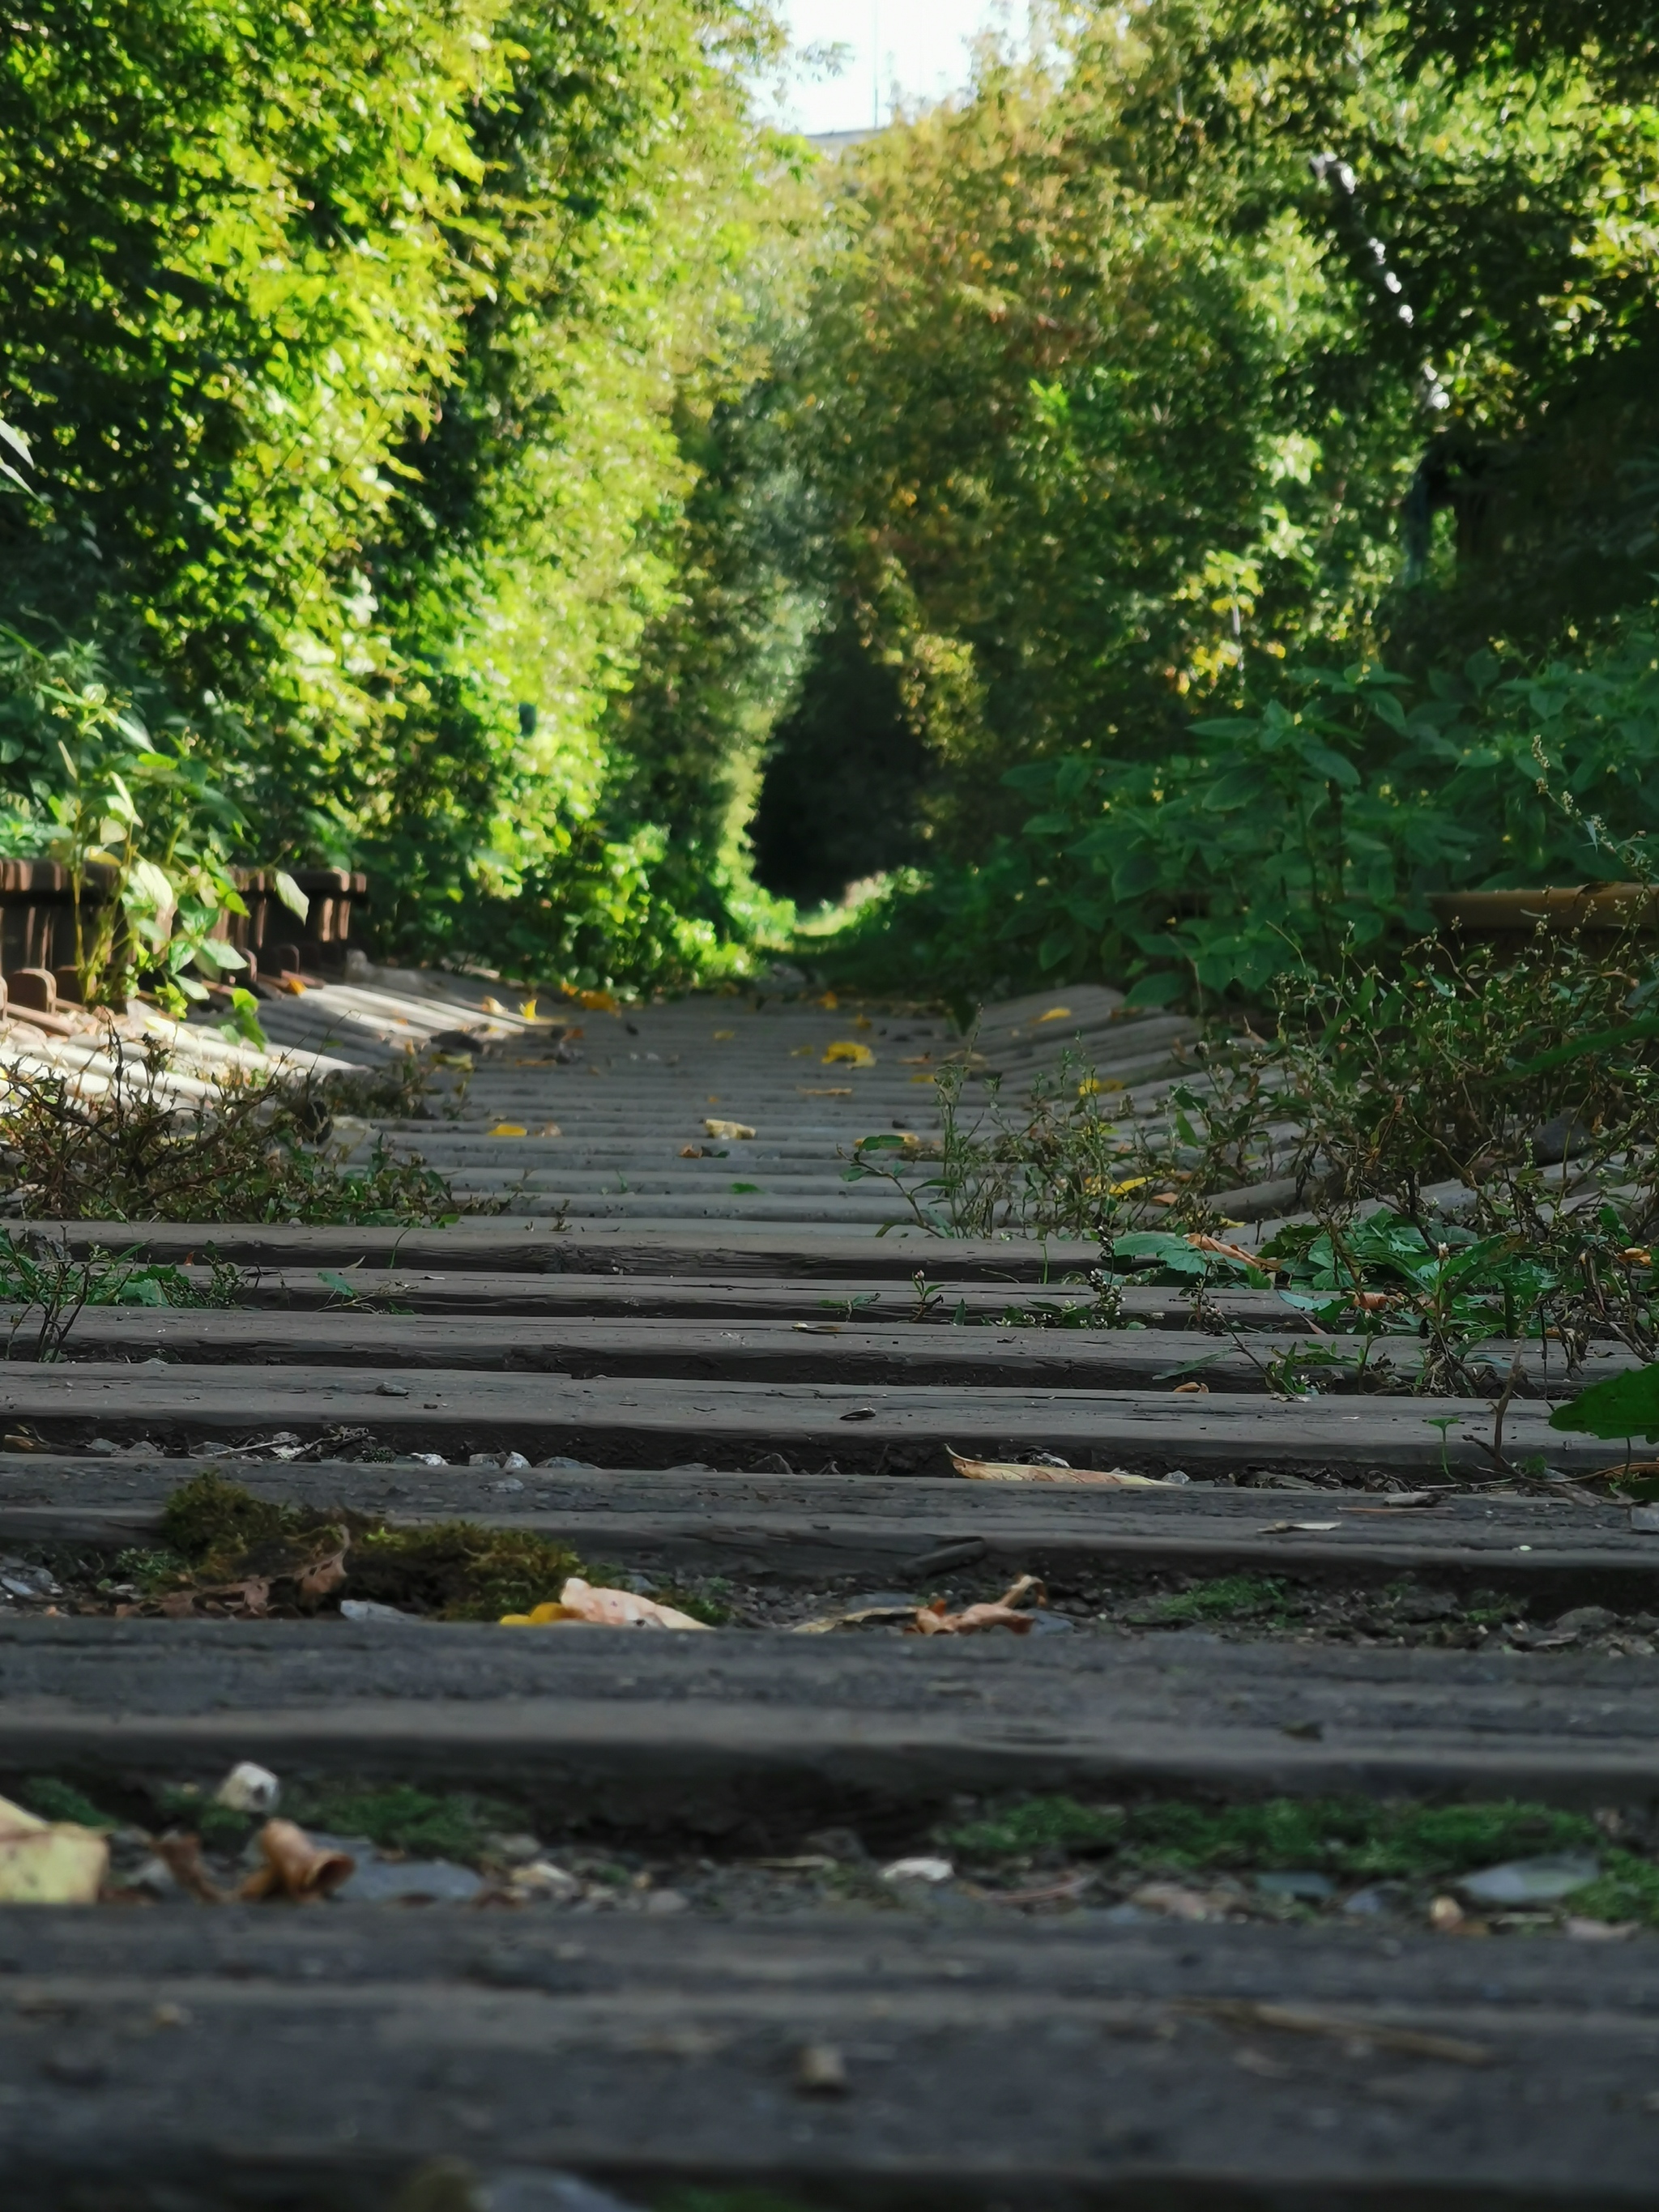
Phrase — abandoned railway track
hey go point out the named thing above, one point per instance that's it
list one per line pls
(858, 1915)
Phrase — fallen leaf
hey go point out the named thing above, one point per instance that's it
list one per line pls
(805, 1090)
(295, 1868)
(1179, 1902)
(1363, 2034)
(733, 1131)
(1056, 1014)
(527, 1009)
(999, 1470)
(601, 1608)
(1001, 1613)
(1298, 1527)
(850, 1050)
(1065, 1891)
(1092, 1085)
(321, 1577)
(508, 1129)
(1223, 1250)
(597, 1002)
(724, 1037)
(49, 1861)
(924, 1868)
(1187, 1389)
(180, 1853)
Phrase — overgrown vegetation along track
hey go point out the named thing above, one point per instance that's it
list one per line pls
(742, 1402)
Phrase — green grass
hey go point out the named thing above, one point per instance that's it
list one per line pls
(455, 1826)
(1229, 1597)
(58, 1801)
(1348, 1836)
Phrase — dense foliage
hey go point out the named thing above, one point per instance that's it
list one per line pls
(1246, 341)
(363, 353)
(451, 437)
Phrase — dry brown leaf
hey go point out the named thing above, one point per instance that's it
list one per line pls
(322, 1576)
(601, 1608)
(49, 1861)
(1001, 1613)
(180, 1852)
(295, 1869)
(1362, 2034)
(1003, 1470)
(1223, 1250)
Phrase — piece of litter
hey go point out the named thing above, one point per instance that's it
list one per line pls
(934, 1620)
(922, 1870)
(370, 1608)
(821, 2071)
(1298, 1528)
(391, 1389)
(1531, 1881)
(249, 1789)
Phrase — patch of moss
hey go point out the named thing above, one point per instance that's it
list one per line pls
(1040, 1824)
(1228, 1597)
(458, 1570)
(701, 1605)
(1340, 1835)
(188, 1806)
(218, 1531)
(150, 1567)
(58, 1801)
(1628, 1890)
(455, 1826)
(216, 1526)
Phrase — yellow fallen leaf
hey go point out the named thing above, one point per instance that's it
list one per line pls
(601, 1608)
(862, 1022)
(1092, 1085)
(597, 1002)
(1001, 1470)
(291, 983)
(714, 1126)
(492, 1006)
(924, 1078)
(724, 1037)
(848, 1050)
(804, 1052)
(49, 1861)
(828, 1000)
(1056, 1014)
(527, 1010)
(1135, 1183)
(508, 1129)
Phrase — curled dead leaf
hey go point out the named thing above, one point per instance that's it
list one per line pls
(1000, 1612)
(734, 1132)
(601, 1608)
(1001, 1470)
(180, 1852)
(295, 1868)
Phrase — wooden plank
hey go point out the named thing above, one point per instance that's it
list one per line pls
(1074, 2065)
(786, 1351)
(776, 1731)
(754, 1297)
(538, 1245)
(818, 1530)
(641, 1421)
(1082, 2067)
